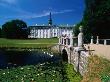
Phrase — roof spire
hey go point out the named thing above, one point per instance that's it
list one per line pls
(50, 19)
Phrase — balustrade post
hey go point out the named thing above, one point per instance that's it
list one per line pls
(92, 40)
(59, 40)
(71, 40)
(80, 38)
(105, 42)
(97, 40)
(66, 41)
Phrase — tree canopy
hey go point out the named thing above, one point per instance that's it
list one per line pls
(96, 18)
(14, 29)
(0, 32)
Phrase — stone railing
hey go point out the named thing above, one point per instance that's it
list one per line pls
(77, 54)
(100, 41)
(104, 41)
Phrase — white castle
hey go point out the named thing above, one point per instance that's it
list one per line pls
(49, 31)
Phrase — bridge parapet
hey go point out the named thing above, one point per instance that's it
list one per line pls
(78, 56)
(66, 39)
(100, 41)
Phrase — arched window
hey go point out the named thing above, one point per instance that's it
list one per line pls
(64, 41)
(68, 41)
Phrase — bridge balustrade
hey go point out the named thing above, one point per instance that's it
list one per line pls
(75, 51)
(100, 41)
(66, 40)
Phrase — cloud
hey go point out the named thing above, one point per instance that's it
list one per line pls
(22, 14)
(46, 13)
(29, 15)
(63, 11)
(9, 1)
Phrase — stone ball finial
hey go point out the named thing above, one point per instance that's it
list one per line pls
(80, 29)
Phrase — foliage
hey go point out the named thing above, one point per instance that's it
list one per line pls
(76, 29)
(96, 18)
(43, 72)
(98, 70)
(69, 73)
(14, 29)
(0, 32)
(87, 33)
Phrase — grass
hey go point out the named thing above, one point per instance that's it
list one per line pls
(28, 43)
(70, 74)
(98, 70)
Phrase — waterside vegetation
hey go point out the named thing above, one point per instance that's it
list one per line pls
(43, 72)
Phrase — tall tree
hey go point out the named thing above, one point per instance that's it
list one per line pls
(0, 32)
(96, 20)
(14, 29)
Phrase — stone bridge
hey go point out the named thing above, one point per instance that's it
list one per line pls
(73, 52)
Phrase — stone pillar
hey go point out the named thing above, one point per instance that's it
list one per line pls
(59, 40)
(63, 41)
(92, 40)
(66, 41)
(97, 40)
(80, 38)
(105, 42)
(71, 40)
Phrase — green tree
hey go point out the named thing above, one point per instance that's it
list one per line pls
(14, 29)
(0, 32)
(76, 29)
(87, 33)
(96, 19)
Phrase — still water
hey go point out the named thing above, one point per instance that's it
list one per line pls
(10, 59)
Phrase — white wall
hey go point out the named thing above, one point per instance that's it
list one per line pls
(48, 33)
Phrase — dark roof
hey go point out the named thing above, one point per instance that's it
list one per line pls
(53, 26)
(66, 27)
(40, 27)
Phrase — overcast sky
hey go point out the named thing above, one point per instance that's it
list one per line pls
(37, 11)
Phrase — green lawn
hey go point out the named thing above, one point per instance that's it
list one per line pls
(29, 43)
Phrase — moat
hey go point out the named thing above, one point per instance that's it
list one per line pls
(21, 58)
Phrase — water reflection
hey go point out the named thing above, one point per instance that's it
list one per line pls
(20, 58)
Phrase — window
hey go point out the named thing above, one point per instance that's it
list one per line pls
(64, 41)
(68, 41)
(54, 34)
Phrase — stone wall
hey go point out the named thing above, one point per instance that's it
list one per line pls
(80, 60)
(100, 50)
